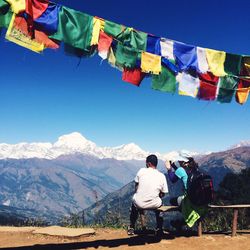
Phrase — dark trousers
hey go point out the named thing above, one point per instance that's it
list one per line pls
(134, 212)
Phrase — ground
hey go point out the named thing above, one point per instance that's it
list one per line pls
(118, 239)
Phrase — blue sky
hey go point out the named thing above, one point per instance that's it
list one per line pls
(45, 96)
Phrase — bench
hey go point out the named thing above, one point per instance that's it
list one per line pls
(235, 214)
(234, 220)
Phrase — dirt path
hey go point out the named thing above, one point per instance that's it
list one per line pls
(118, 239)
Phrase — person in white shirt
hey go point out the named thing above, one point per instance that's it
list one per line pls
(150, 187)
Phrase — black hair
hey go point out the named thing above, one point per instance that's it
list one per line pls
(192, 164)
(152, 159)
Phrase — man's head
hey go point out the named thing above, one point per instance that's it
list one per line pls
(152, 161)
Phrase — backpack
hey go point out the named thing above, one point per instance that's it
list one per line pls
(200, 189)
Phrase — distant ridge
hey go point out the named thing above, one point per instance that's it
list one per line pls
(76, 143)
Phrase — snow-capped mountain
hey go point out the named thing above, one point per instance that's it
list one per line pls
(241, 144)
(76, 143)
(178, 155)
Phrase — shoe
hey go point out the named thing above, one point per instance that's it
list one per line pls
(130, 231)
(159, 232)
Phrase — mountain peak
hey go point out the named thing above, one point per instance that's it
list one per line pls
(73, 140)
(131, 146)
(241, 144)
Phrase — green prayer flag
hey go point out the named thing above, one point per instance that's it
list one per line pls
(227, 88)
(125, 56)
(5, 14)
(112, 29)
(165, 81)
(232, 64)
(74, 28)
(133, 38)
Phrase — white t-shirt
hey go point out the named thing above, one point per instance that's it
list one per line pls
(150, 183)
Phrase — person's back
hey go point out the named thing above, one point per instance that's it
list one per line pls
(150, 186)
(151, 183)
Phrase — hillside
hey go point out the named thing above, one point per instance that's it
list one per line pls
(62, 186)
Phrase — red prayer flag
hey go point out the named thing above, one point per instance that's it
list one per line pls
(134, 76)
(104, 42)
(39, 36)
(35, 8)
(208, 86)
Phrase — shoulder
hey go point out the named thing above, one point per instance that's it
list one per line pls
(161, 175)
(141, 171)
(180, 172)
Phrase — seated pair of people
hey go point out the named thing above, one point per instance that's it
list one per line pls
(151, 186)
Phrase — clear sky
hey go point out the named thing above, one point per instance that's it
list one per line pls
(45, 96)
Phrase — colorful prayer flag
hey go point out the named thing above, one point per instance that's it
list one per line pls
(48, 21)
(125, 56)
(216, 61)
(165, 81)
(227, 88)
(17, 6)
(112, 29)
(134, 76)
(188, 85)
(186, 56)
(208, 86)
(150, 63)
(5, 14)
(74, 28)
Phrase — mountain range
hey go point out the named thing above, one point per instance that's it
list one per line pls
(76, 143)
(55, 180)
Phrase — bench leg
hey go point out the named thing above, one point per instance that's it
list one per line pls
(199, 228)
(143, 220)
(234, 224)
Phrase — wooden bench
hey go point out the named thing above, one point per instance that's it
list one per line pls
(234, 220)
(235, 215)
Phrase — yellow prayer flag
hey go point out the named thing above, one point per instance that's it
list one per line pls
(216, 61)
(15, 35)
(150, 63)
(17, 5)
(111, 57)
(96, 31)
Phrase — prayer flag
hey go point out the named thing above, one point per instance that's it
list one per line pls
(125, 56)
(216, 61)
(35, 8)
(227, 88)
(150, 63)
(96, 31)
(202, 60)
(165, 81)
(17, 6)
(153, 45)
(208, 86)
(186, 56)
(5, 14)
(167, 48)
(232, 64)
(242, 92)
(134, 76)
(74, 28)
(133, 38)
(112, 29)
(48, 21)
(104, 45)
(188, 85)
